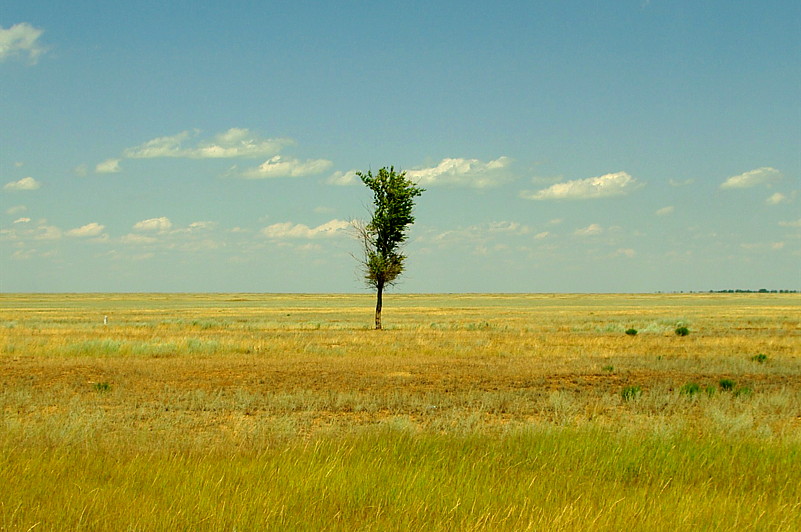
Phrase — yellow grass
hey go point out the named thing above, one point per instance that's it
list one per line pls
(467, 411)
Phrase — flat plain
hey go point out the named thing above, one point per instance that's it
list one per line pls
(469, 411)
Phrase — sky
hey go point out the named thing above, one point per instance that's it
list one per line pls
(565, 146)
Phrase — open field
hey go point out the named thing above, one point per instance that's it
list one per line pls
(515, 412)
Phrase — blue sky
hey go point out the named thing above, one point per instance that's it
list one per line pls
(566, 146)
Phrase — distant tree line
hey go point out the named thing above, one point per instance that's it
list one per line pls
(760, 291)
(735, 291)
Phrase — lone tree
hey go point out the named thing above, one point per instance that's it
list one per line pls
(383, 236)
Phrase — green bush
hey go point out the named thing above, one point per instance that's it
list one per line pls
(761, 358)
(682, 331)
(726, 385)
(102, 387)
(631, 332)
(689, 389)
(630, 393)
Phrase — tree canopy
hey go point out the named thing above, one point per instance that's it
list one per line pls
(383, 236)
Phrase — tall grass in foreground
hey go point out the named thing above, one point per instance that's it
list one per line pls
(220, 412)
(393, 478)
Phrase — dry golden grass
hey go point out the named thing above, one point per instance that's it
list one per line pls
(208, 376)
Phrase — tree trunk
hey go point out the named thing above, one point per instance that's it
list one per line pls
(378, 303)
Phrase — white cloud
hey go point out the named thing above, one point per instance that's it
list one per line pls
(794, 223)
(777, 198)
(343, 178)
(776, 245)
(508, 227)
(764, 175)
(540, 236)
(277, 166)
(234, 143)
(47, 232)
(626, 252)
(590, 230)
(604, 186)
(109, 166)
(21, 40)
(16, 209)
(26, 183)
(290, 230)
(153, 224)
(463, 172)
(450, 171)
(90, 229)
(135, 239)
(675, 183)
(22, 220)
(664, 211)
(202, 226)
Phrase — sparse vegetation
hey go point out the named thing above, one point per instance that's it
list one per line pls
(690, 389)
(102, 387)
(761, 358)
(682, 331)
(630, 392)
(726, 385)
(287, 412)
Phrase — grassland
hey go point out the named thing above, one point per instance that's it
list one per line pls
(516, 412)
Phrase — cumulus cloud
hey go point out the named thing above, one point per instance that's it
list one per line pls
(508, 227)
(450, 171)
(26, 183)
(90, 229)
(777, 198)
(21, 40)
(109, 166)
(234, 143)
(291, 230)
(590, 230)
(22, 220)
(278, 166)
(135, 239)
(608, 185)
(343, 178)
(153, 224)
(463, 172)
(664, 211)
(764, 175)
(543, 234)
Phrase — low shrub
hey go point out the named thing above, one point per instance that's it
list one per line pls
(761, 358)
(689, 389)
(630, 393)
(631, 332)
(682, 331)
(726, 385)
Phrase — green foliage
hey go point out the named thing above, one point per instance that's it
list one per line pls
(726, 385)
(744, 391)
(102, 387)
(682, 331)
(630, 393)
(393, 199)
(631, 332)
(761, 358)
(690, 389)
(609, 369)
